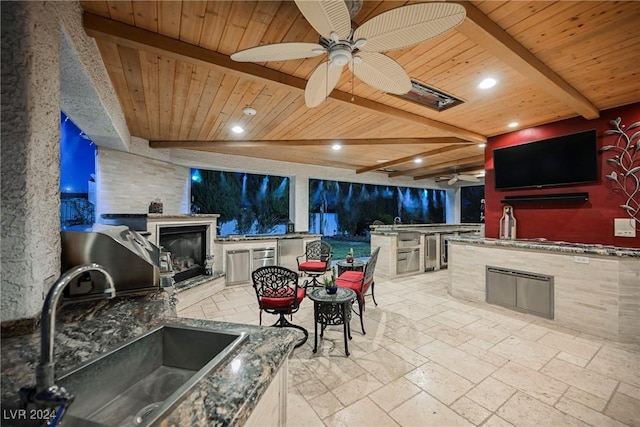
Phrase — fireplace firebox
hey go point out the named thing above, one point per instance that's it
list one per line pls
(187, 245)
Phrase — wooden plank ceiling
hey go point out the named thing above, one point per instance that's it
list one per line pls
(169, 64)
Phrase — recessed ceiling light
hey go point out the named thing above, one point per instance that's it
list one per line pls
(487, 83)
(237, 129)
(482, 145)
(513, 124)
(418, 160)
(249, 111)
(382, 160)
(336, 146)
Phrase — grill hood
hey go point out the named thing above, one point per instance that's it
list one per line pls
(132, 261)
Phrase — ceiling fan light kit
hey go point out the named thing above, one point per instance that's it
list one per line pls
(360, 48)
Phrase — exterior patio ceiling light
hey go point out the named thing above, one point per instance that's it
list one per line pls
(237, 129)
(513, 124)
(336, 147)
(487, 83)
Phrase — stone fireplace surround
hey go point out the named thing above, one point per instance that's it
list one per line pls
(151, 224)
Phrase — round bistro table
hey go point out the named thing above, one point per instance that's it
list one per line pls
(349, 266)
(332, 309)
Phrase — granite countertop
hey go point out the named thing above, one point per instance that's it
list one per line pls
(243, 237)
(544, 245)
(427, 229)
(156, 215)
(181, 216)
(224, 397)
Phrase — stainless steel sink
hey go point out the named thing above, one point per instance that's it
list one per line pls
(135, 384)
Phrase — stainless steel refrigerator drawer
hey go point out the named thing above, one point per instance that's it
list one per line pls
(238, 264)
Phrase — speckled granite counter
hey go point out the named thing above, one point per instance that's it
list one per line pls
(543, 245)
(427, 229)
(249, 237)
(225, 397)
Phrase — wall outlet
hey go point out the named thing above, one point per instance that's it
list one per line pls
(624, 227)
(470, 248)
(581, 259)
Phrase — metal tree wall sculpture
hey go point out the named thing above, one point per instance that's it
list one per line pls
(626, 164)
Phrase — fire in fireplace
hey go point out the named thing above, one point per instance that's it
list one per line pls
(187, 245)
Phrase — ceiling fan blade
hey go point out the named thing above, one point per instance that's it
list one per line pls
(453, 180)
(279, 52)
(468, 178)
(326, 16)
(323, 80)
(409, 25)
(381, 72)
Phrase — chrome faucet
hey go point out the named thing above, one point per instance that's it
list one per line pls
(46, 393)
(397, 220)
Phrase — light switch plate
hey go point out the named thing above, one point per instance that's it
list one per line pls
(624, 227)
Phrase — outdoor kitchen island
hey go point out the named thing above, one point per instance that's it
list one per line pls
(246, 388)
(593, 289)
(415, 248)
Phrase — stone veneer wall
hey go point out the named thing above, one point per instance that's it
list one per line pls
(34, 36)
(30, 156)
(128, 183)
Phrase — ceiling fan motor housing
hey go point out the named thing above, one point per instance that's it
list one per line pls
(340, 54)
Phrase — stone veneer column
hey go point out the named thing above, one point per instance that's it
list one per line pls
(30, 154)
(299, 202)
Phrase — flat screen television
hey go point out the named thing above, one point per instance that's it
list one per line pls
(563, 160)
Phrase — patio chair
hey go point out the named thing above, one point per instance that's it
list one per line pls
(315, 261)
(360, 282)
(278, 293)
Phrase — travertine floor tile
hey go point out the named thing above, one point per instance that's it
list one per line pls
(384, 365)
(586, 414)
(439, 382)
(542, 387)
(431, 360)
(300, 413)
(324, 405)
(470, 410)
(524, 410)
(625, 409)
(526, 353)
(619, 364)
(580, 378)
(393, 394)
(362, 413)
(491, 393)
(356, 388)
(424, 410)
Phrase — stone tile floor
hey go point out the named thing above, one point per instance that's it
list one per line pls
(431, 360)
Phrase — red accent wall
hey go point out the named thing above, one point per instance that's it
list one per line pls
(576, 222)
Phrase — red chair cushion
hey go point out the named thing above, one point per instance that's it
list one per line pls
(276, 299)
(353, 280)
(313, 266)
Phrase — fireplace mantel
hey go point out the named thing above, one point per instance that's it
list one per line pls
(157, 221)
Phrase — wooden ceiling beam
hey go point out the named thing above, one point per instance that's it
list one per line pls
(456, 142)
(130, 36)
(486, 33)
(408, 158)
(467, 161)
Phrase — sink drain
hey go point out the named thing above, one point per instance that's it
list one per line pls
(145, 412)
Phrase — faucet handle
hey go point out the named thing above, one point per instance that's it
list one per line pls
(51, 397)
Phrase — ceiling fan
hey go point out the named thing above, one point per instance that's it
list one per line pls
(457, 177)
(359, 48)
